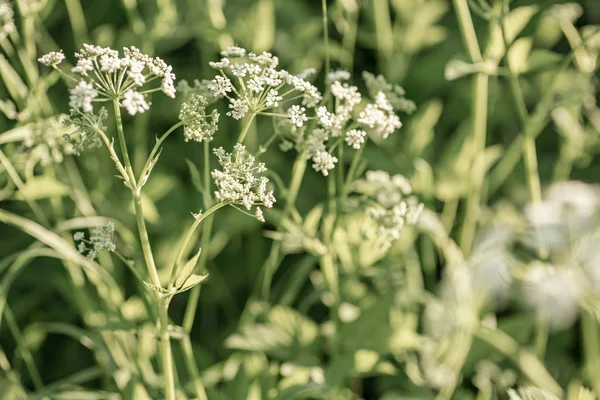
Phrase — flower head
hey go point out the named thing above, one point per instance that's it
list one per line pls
(197, 126)
(105, 74)
(7, 22)
(380, 117)
(240, 179)
(53, 58)
(101, 238)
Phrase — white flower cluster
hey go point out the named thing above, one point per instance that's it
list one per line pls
(259, 84)
(391, 204)
(7, 21)
(45, 145)
(395, 94)
(86, 127)
(101, 238)
(53, 58)
(380, 117)
(196, 124)
(104, 75)
(343, 122)
(239, 181)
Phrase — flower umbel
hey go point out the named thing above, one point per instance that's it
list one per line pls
(103, 74)
(240, 180)
(198, 126)
(101, 238)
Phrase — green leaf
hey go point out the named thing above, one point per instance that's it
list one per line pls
(192, 281)
(196, 177)
(187, 270)
(306, 391)
(42, 187)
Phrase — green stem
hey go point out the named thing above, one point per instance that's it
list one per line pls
(246, 128)
(165, 350)
(188, 237)
(529, 364)
(14, 175)
(192, 304)
(272, 261)
(188, 351)
(384, 33)
(531, 164)
(23, 349)
(156, 148)
(137, 201)
(77, 18)
(480, 107)
(326, 37)
(591, 346)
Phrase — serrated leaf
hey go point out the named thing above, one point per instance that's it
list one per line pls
(192, 281)
(42, 187)
(187, 270)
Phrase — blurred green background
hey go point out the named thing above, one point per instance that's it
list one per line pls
(414, 43)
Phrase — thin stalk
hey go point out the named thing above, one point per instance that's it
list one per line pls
(246, 128)
(23, 349)
(188, 352)
(480, 108)
(156, 148)
(137, 201)
(75, 12)
(14, 176)
(274, 256)
(326, 36)
(192, 303)
(384, 33)
(529, 364)
(591, 344)
(188, 237)
(165, 350)
(529, 150)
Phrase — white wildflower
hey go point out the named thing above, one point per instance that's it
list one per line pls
(7, 22)
(234, 51)
(239, 108)
(323, 162)
(197, 126)
(134, 102)
(82, 95)
(273, 98)
(239, 180)
(338, 75)
(259, 214)
(53, 58)
(102, 72)
(101, 238)
(219, 86)
(395, 94)
(380, 117)
(86, 125)
(355, 138)
(297, 115)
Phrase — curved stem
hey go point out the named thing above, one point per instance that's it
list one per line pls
(529, 364)
(479, 107)
(188, 237)
(14, 176)
(137, 201)
(156, 148)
